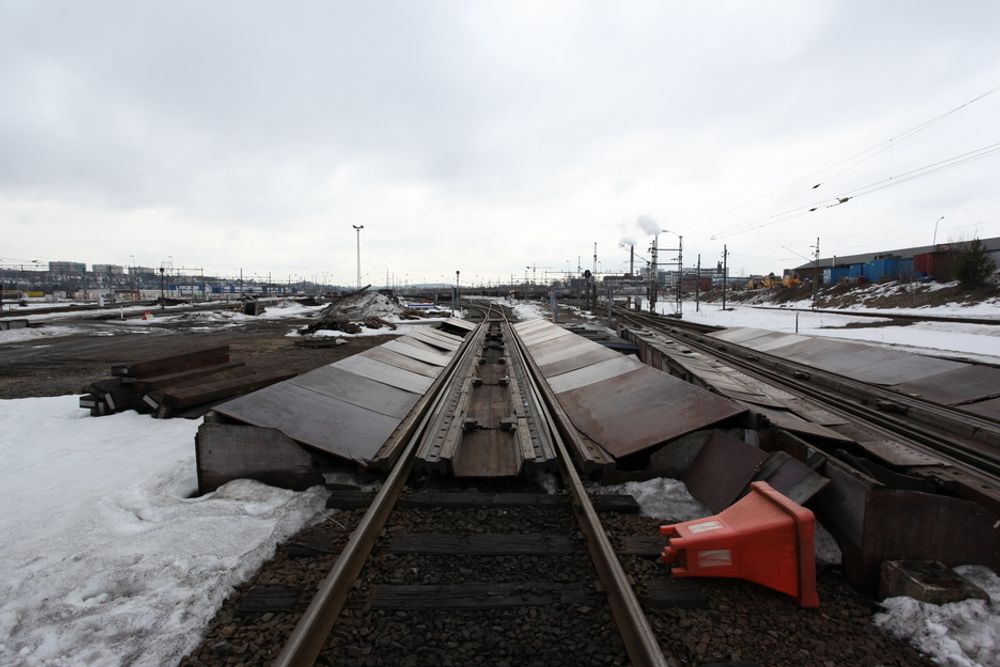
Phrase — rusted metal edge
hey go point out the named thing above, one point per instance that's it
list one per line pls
(641, 644)
(311, 632)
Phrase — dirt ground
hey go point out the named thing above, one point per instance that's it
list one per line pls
(66, 365)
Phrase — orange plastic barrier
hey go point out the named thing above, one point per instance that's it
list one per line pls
(764, 538)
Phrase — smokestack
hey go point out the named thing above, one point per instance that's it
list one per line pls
(631, 261)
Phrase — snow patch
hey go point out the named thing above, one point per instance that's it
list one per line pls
(662, 498)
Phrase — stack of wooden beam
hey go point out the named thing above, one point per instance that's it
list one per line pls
(184, 385)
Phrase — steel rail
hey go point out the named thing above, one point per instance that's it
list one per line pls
(640, 642)
(919, 436)
(309, 637)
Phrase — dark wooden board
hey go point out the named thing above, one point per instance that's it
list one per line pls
(176, 379)
(479, 596)
(484, 544)
(267, 598)
(669, 592)
(472, 499)
(176, 363)
(648, 546)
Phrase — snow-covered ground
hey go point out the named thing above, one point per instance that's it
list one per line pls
(105, 559)
(977, 341)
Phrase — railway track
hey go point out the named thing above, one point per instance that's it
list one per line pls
(567, 557)
(968, 444)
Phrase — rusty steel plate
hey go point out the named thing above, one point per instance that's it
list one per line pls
(795, 424)
(989, 408)
(899, 454)
(411, 347)
(386, 374)
(594, 354)
(642, 408)
(340, 428)
(336, 383)
(722, 469)
(961, 385)
(401, 361)
(602, 370)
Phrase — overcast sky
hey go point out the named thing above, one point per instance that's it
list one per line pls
(486, 137)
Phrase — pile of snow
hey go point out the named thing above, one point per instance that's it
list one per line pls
(963, 634)
(362, 306)
(289, 309)
(527, 310)
(105, 558)
(211, 316)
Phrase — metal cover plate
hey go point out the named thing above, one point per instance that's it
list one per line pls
(336, 383)
(386, 374)
(334, 426)
(778, 342)
(414, 348)
(536, 338)
(602, 370)
(721, 471)
(899, 454)
(594, 354)
(738, 334)
(906, 369)
(989, 408)
(436, 338)
(563, 348)
(398, 360)
(642, 408)
(461, 324)
(967, 383)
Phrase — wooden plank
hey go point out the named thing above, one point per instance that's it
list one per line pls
(224, 452)
(488, 544)
(673, 592)
(176, 363)
(267, 598)
(475, 500)
(181, 398)
(479, 596)
(175, 379)
(647, 546)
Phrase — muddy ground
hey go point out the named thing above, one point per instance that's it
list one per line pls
(55, 366)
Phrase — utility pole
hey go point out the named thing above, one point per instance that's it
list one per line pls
(652, 273)
(680, 276)
(815, 272)
(593, 271)
(455, 301)
(631, 260)
(697, 286)
(358, 228)
(725, 273)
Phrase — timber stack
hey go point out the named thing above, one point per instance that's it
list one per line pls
(185, 385)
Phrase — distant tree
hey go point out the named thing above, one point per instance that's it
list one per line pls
(974, 265)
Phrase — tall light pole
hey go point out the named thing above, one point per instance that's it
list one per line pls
(934, 242)
(358, 228)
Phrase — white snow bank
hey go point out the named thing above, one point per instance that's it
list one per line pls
(105, 560)
(959, 634)
(662, 498)
(17, 335)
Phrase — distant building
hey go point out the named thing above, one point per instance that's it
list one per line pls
(67, 267)
(109, 269)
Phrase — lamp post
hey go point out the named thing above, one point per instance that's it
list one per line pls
(934, 242)
(454, 301)
(358, 228)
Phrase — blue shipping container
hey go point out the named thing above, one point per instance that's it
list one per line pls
(839, 273)
(856, 270)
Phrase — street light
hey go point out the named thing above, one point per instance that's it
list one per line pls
(934, 242)
(358, 228)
